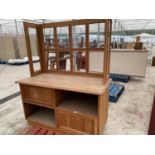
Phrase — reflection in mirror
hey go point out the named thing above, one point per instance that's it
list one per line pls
(63, 37)
(96, 35)
(52, 65)
(64, 61)
(49, 38)
(96, 62)
(78, 36)
(79, 61)
(34, 48)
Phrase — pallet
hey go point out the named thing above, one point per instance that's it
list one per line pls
(119, 77)
(2, 62)
(33, 130)
(115, 91)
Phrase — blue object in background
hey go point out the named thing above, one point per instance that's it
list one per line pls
(119, 77)
(115, 91)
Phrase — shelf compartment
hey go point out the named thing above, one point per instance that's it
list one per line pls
(80, 103)
(37, 94)
(40, 115)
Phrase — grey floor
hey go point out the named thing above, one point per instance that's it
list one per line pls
(130, 115)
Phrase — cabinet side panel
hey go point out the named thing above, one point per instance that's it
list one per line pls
(59, 96)
(21, 92)
(28, 109)
(103, 104)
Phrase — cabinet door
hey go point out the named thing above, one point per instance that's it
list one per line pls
(75, 123)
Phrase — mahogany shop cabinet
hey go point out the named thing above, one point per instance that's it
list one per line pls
(68, 98)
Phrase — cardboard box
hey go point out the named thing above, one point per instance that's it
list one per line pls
(138, 46)
(130, 45)
(138, 39)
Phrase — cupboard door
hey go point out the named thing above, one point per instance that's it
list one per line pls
(75, 123)
(38, 94)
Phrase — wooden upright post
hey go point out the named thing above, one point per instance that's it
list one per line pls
(105, 52)
(87, 49)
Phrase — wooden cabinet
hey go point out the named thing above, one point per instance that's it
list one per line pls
(68, 111)
(72, 99)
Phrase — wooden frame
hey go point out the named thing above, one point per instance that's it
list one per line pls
(69, 24)
(52, 89)
(28, 45)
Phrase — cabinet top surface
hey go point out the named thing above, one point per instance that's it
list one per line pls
(91, 85)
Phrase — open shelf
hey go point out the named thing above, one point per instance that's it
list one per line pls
(80, 103)
(40, 115)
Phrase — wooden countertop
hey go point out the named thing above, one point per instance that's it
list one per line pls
(90, 85)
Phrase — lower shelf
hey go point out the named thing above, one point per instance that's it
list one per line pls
(43, 116)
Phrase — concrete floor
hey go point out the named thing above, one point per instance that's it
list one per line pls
(130, 115)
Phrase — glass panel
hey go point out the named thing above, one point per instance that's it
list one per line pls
(96, 35)
(63, 37)
(96, 62)
(49, 37)
(79, 61)
(64, 61)
(79, 36)
(34, 48)
(52, 65)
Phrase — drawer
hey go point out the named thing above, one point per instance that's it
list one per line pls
(76, 123)
(39, 95)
